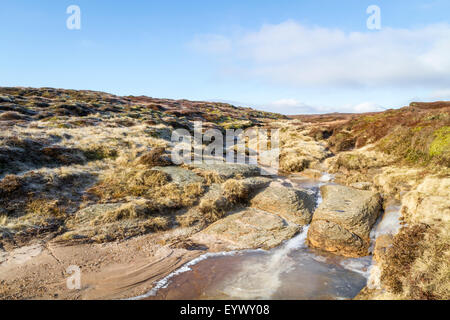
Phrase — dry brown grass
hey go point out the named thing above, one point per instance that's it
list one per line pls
(3, 220)
(11, 115)
(298, 150)
(133, 210)
(430, 272)
(209, 176)
(416, 135)
(124, 181)
(293, 163)
(235, 191)
(191, 193)
(44, 208)
(152, 185)
(100, 152)
(213, 209)
(10, 184)
(417, 266)
(154, 158)
(404, 251)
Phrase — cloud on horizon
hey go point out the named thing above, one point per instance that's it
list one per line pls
(294, 107)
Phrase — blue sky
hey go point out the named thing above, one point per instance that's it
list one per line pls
(284, 56)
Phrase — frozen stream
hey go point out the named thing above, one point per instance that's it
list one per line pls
(291, 271)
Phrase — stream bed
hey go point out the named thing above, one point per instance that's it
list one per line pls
(291, 271)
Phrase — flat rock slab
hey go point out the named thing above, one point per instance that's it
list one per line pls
(21, 255)
(361, 185)
(256, 183)
(294, 205)
(180, 176)
(343, 221)
(230, 170)
(247, 229)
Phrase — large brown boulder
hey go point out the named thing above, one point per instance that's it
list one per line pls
(294, 205)
(343, 221)
(230, 170)
(247, 229)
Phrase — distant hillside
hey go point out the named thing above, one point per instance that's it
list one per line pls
(28, 104)
(417, 134)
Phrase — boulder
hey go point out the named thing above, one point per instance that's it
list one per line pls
(382, 243)
(361, 185)
(429, 203)
(247, 229)
(230, 170)
(343, 221)
(294, 205)
(180, 176)
(256, 183)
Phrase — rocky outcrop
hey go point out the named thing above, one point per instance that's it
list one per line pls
(429, 203)
(395, 180)
(361, 185)
(256, 183)
(229, 170)
(294, 205)
(382, 244)
(180, 176)
(298, 150)
(247, 229)
(359, 160)
(343, 221)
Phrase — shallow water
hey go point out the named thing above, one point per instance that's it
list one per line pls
(289, 272)
(389, 223)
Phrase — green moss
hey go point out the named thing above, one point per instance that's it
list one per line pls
(441, 143)
(370, 119)
(63, 126)
(51, 119)
(437, 117)
(415, 156)
(235, 124)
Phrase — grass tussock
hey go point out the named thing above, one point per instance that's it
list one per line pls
(293, 163)
(298, 150)
(44, 208)
(3, 220)
(133, 210)
(152, 185)
(210, 177)
(154, 158)
(213, 209)
(11, 184)
(417, 265)
(124, 182)
(235, 191)
(100, 152)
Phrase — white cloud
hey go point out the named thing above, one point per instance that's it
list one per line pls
(295, 107)
(366, 107)
(293, 54)
(291, 106)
